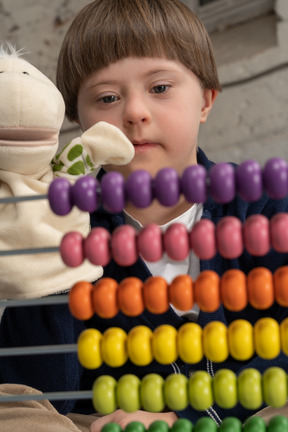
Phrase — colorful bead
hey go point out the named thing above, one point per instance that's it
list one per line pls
(250, 389)
(241, 340)
(151, 393)
(182, 425)
(256, 235)
(215, 341)
(254, 424)
(130, 296)
(203, 240)
(249, 180)
(200, 393)
(84, 193)
(222, 182)
(127, 393)
(149, 243)
(112, 192)
(278, 423)
(164, 344)
(267, 338)
(175, 392)
(260, 288)
(89, 353)
(123, 245)
(59, 196)
(104, 298)
(176, 242)
(205, 424)
(193, 184)
(71, 249)
(279, 232)
(180, 292)
(230, 424)
(274, 381)
(139, 189)
(80, 300)
(233, 290)
(189, 341)
(275, 178)
(97, 246)
(139, 345)
(167, 187)
(134, 426)
(284, 336)
(104, 394)
(207, 292)
(229, 237)
(225, 388)
(280, 279)
(155, 295)
(158, 426)
(112, 427)
(113, 347)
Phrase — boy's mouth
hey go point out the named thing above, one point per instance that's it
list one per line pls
(143, 145)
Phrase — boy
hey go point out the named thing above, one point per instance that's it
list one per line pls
(147, 67)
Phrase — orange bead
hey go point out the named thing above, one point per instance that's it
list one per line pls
(233, 290)
(260, 288)
(130, 297)
(207, 292)
(80, 301)
(180, 292)
(104, 298)
(281, 286)
(155, 294)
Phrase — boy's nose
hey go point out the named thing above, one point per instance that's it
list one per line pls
(136, 111)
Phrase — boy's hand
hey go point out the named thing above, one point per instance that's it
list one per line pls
(123, 418)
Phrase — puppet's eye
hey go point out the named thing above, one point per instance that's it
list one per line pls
(25, 73)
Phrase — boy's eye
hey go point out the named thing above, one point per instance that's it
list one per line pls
(109, 99)
(161, 88)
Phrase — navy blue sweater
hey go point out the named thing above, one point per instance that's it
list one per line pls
(41, 325)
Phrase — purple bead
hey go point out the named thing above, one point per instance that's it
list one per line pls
(113, 192)
(84, 193)
(59, 196)
(167, 187)
(139, 189)
(275, 178)
(249, 180)
(193, 184)
(222, 182)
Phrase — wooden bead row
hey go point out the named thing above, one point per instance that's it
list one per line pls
(229, 238)
(154, 393)
(190, 343)
(131, 296)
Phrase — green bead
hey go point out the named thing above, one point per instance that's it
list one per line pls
(200, 393)
(104, 398)
(250, 388)
(182, 425)
(278, 424)
(175, 392)
(135, 426)
(254, 424)
(151, 393)
(205, 424)
(225, 388)
(127, 393)
(158, 426)
(230, 424)
(111, 427)
(274, 383)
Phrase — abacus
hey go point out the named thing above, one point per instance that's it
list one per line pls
(240, 340)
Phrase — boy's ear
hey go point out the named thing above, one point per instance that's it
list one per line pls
(209, 96)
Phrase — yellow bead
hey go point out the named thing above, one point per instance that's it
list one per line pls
(89, 353)
(189, 341)
(164, 344)
(113, 347)
(215, 341)
(240, 340)
(284, 336)
(139, 345)
(267, 338)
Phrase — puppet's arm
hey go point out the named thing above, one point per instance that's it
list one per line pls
(101, 144)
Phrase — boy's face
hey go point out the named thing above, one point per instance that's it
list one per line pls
(158, 104)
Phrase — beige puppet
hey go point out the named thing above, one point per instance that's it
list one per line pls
(31, 114)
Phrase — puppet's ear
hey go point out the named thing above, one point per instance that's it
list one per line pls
(209, 96)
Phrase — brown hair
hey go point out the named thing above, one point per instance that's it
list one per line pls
(109, 30)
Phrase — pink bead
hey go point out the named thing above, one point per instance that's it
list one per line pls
(71, 249)
(149, 243)
(176, 242)
(256, 235)
(202, 239)
(123, 245)
(97, 246)
(279, 232)
(229, 237)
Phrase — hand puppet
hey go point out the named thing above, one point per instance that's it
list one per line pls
(31, 115)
